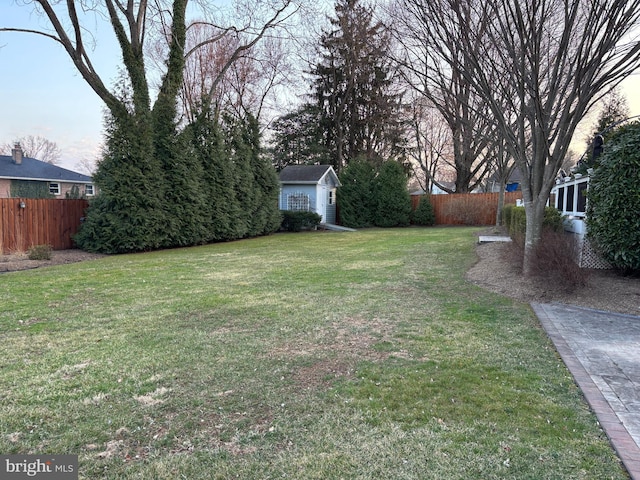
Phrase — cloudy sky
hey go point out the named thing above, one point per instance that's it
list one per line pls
(42, 95)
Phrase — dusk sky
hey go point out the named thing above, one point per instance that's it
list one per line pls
(41, 93)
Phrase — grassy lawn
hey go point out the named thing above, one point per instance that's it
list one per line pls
(305, 356)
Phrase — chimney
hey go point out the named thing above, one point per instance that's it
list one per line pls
(16, 154)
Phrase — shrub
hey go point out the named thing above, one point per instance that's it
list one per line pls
(553, 219)
(613, 222)
(506, 214)
(40, 252)
(554, 259)
(294, 221)
(392, 199)
(355, 196)
(424, 214)
(516, 220)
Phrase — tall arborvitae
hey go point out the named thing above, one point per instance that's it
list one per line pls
(218, 181)
(265, 217)
(355, 196)
(184, 201)
(239, 154)
(391, 196)
(128, 214)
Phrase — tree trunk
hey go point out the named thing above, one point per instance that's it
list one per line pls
(534, 211)
(500, 204)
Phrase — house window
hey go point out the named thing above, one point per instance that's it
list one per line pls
(571, 204)
(561, 199)
(298, 202)
(582, 197)
(332, 196)
(88, 190)
(54, 188)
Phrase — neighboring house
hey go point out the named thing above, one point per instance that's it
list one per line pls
(27, 177)
(514, 183)
(310, 188)
(435, 190)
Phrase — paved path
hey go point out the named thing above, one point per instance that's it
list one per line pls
(602, 352)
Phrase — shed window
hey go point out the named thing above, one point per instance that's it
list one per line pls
(54, 188)
(88, 190)
(298, 202)
(332, 196)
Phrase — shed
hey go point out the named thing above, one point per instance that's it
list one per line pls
(310, 188)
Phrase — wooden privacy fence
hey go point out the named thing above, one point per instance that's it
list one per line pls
(25, 222)
(466, 208)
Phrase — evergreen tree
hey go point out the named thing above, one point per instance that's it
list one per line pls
(392, 202)
(424, 213)
(218, 181)
(614, 111)
(355, 196)
(297, 139)
(353, 88)
(128, 214)
(265, 217)
(613, 223)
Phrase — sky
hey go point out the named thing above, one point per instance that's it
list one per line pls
(41, 93)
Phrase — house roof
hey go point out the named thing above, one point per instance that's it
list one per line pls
(309, 174)
(32, 169)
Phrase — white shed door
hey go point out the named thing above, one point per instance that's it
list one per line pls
(321, 207)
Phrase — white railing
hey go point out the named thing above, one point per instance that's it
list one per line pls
(570, 196)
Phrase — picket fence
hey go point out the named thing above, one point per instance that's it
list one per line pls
(466, 208)
(25, 222)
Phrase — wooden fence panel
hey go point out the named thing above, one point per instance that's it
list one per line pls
(39, 222)
(466, 208)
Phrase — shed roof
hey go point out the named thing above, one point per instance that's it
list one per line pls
(307, 174)
(32, 169)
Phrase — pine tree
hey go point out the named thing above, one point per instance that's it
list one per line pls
(353, 89)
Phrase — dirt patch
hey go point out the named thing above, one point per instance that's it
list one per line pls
(20, 261)
(605, 290)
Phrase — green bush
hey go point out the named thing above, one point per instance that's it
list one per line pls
(517, 222)
(294, 221)
(424, 214)
(40, 252)
(506, 215)
(516, 219)
(391, 197)
(552, 220)
(355, 196)
(613, 219)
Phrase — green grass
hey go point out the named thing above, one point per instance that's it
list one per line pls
(314, 355)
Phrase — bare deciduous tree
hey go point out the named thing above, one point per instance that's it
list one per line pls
(433, 67)
(248, 85)
(550, 61)
(36, 147)
(133, 20)
(431, 149)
